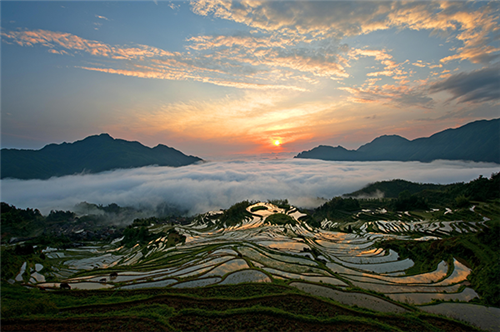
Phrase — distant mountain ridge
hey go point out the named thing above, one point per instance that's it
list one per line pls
(93, 154)
(475, 141)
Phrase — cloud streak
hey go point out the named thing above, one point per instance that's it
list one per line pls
(68, 41)
(150, 62)
(400, 96)
(476, 86)
(215, 185)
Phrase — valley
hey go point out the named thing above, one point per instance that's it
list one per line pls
(343, 265)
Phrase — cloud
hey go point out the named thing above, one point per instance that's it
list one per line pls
(379, 55)
(72, 42)
(400, 96)
(273, 50)
(474, 26)
(58, 52)
(391, 69)
(318, 19)
(157, 74)
(220, 68)
(250, 119)
(246, 41)
(476, 86)
(215, 185)
(381, 73)
(286, 45)
(283, 30)
(172, 5)
(301, 60)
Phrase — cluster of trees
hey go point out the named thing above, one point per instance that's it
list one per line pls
(281, 203)
(407, 201)
(392, 188)
(480, 189)
(339, 203)
(338, 208)
(149, 221)
(55, 229)
(407, 196)
(10, 211)
(410, 195)
(19, 222)
(235, 213)
(133, 235)
(57, 216)
(238, 212)
(280, 219)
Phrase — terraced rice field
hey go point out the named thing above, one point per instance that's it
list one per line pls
(346, 267)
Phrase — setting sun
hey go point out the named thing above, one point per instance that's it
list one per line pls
(277, 142)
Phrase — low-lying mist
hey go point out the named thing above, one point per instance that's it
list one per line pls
(216, 185)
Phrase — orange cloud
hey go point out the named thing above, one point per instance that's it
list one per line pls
(158, 74)
(397, 95)
(474, 26)
(161, 64)
(418, 64)
(381, 73)
(74, 43)
(379, 55)
(248, 42)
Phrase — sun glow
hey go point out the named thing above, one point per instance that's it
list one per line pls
(277, 142)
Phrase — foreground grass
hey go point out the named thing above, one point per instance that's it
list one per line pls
(259, 307)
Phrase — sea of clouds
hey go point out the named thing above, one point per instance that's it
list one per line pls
(217, 185)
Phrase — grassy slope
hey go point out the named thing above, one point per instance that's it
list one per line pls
(274, 307)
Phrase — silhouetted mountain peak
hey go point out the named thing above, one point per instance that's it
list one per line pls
(476, 141)
(99, 137)
(335, 153)
(96, 153)
(162, 146)
(385, 142)
(338, 147)
(390, 138)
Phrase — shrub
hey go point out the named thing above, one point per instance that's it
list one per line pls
(280, 219)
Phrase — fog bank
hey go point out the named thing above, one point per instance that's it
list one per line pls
(216, 185)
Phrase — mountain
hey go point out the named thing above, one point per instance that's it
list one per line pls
(93, 154)
(475, 141)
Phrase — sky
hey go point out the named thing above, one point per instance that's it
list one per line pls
(230, 78)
